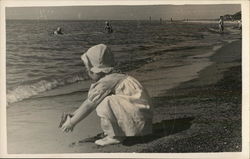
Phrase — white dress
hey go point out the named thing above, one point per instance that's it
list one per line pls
(123, 102)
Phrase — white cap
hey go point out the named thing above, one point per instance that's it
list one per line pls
(99, 58)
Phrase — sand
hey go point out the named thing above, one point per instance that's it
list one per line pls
(197, 104)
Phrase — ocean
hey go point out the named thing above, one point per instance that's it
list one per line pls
(46, 77)
(39, 61)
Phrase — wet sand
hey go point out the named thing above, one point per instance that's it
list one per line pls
(197, 103)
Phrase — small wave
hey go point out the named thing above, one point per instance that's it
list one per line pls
(28, 90)
(60, 94)
(230, 40)
(217, 47)
(172, 49)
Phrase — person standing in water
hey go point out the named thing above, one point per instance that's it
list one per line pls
(221, 24)
(240, 24)
(58, 31)
(108, 27)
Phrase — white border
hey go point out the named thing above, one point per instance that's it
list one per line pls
(3, 135)
(245, 79)
(245, 71)
(26, 3)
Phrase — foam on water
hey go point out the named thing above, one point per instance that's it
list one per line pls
(38, 61)
(28, 90)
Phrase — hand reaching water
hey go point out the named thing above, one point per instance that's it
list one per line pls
(65, 124)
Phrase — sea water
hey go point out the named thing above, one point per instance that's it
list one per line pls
(38, 61)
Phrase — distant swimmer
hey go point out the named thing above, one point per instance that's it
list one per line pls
(108, 27)
(221, 24)
(58, 31)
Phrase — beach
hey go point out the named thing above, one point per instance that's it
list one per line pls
(189, 119)
(195, 86)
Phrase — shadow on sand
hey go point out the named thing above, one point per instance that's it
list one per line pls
(161, 129)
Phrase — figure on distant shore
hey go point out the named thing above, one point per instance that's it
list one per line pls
(108, 27)
(221, 24)
(58, 31)
(240, 24)
(121, 102)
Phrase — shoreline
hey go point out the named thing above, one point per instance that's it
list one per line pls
(211, 21)
(206, 97)
(171, 109)
(33, 90)
(201, 96)
(216, 102)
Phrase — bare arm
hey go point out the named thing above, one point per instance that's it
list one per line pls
(82, 112)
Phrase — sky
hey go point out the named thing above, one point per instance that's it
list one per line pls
(122, 12)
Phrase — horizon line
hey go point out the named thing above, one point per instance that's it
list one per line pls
(114, 19)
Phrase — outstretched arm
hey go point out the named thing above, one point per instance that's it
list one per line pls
(83, 111)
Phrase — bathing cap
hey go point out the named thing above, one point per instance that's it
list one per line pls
(99, 58)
